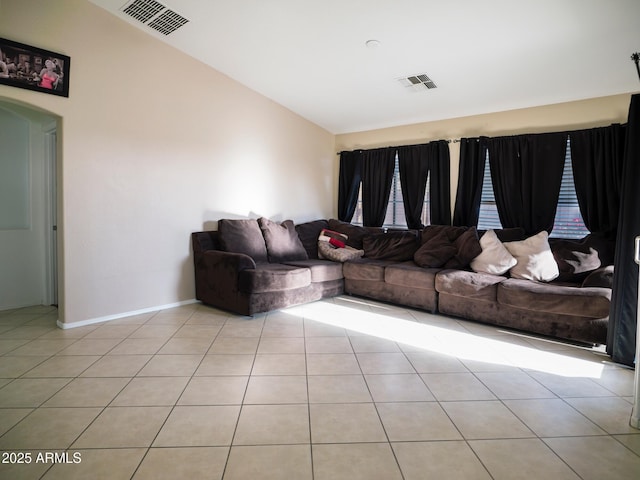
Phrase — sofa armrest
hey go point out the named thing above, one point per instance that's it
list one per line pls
(217, 259)
(216, 275)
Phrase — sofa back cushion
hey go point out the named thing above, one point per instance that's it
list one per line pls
(396, 246)
(578, 258)
(243, 236)
(203, 241)
(355, 233)
(308, 232)
(282, 241)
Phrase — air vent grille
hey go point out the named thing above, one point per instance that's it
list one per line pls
(418, 82)
(168, 22)
(143, 10)
(155, 15)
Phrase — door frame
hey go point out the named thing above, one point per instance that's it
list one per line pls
(51, 213)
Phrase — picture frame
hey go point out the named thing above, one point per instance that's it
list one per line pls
(33, 68)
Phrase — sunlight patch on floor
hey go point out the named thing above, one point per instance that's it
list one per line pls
(455, 343)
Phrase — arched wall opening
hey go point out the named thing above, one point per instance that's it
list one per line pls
(30, 236)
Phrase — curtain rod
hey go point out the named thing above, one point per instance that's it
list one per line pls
(450, 140)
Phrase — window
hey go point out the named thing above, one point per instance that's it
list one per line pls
(488, 219)
(395, 209)
(568, 222)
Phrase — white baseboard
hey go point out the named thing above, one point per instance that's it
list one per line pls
(91, 321)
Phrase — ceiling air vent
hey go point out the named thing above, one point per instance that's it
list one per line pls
(418, 82)
(155, 15)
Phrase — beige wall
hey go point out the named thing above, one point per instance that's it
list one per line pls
(155, 145)
(551, 118)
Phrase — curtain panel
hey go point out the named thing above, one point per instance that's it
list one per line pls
(473, 155)
(349, 184)
(526, 171)
(440, 183)
(621, 333)
(377, 175)
(597, 156)
(413, 163)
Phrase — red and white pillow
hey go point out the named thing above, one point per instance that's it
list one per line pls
(333, 246)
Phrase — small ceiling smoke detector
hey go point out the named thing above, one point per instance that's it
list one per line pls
(155, 15)
(418, 82)
(372, 44)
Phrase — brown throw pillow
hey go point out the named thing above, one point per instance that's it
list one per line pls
(437, 246)
(468, 247)
(441, 232)
(282, 241)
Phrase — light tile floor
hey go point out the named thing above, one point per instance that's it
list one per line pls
(339, 389)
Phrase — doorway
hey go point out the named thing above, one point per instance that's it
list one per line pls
(28, 216)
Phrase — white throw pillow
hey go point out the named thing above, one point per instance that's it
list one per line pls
(495, 258)
(535, 259)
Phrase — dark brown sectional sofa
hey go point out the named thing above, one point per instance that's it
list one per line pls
(253, 266)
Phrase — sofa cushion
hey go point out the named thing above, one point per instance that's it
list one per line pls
(321, 270)
(494, 258)
(243, 236)
(273, 277)
(308, 233)
(542, 297)
(468, 284)
(535, 260)
(397, 246)
(282, 241)
(408, 274)
(365, 269)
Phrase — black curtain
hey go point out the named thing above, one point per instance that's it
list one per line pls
(597, 156)
(526, 171)
(473, 154)
(439, 183)
(349, 184)
(413, 163)
(377, 175)
(621, 334)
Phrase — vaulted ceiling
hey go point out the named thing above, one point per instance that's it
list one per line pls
(316, 58)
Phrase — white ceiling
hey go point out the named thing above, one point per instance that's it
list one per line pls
(484, 56)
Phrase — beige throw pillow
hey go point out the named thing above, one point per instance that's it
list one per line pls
(495, 258)
(535, 259)
(329, 252)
